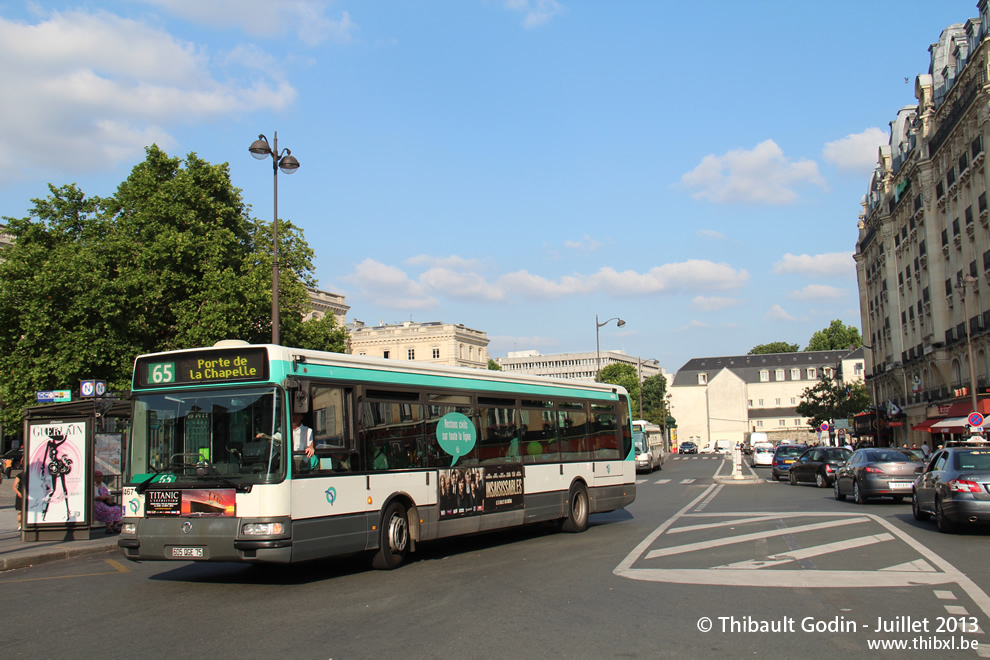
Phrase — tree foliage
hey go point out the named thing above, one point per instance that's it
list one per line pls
(829, 400)
(493, 365)
(620, 373)
(837, 336)
(170, 260)
(774, 347)
(655, 407)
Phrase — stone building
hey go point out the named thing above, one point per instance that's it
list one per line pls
(437, 343)
(727, 398)
(574, 366)
(923, 251)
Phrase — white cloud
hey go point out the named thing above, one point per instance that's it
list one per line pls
(461, 286)
(587, 245)
(453, 262)
(831, 264)
(817, 292)
(535, 12)
(691, 275)
(714, 303)
(857, 152)
(777, 313)
(93, 90)
(712, 234)
(389, 286)
(762, 175)
(264, 18)
(693, 325)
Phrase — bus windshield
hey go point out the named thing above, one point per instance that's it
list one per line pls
(639, 438)
(229, 435)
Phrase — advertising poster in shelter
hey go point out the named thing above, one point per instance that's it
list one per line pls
(56, 463)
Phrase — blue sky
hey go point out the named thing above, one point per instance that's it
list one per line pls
(517, 166)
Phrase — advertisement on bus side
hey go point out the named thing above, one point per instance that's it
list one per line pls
(468, 491)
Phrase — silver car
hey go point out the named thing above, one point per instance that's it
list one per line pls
(878, 472)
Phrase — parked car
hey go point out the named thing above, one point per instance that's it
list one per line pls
(878, 472)
(818, 465)
(687, 448)
(11, 461)
(954, 487)
(762, 455)
(783, 457)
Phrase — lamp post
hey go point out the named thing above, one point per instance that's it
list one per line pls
(964, 282)
(598, 350)
(286, 162)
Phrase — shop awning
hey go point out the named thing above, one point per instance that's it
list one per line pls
(925, 426)
(951, 425)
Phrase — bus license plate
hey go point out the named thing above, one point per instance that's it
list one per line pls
(187, 552)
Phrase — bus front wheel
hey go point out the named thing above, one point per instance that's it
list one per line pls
(393, 539)
(580, 508)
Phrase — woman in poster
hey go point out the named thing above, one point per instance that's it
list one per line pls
(57, 467)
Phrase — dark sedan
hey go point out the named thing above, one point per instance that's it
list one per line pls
(878, 472)
(955, 487)
(818, 465)
(687, 448)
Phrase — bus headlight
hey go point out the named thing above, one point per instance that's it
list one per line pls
(263, 529)
(128, 528)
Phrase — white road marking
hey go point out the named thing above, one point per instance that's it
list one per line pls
(740, 521)
(662, 481)
(944, 595)
(741, 538)
(687, 481)
(916, 565)
(805, 553)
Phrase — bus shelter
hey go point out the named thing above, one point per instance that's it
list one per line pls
(64, 444)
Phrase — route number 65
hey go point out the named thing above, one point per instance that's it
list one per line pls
(163, 372)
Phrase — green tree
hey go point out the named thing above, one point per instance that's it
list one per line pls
(620, 373)
(654, 391)
(835, 337)
(493, 365)
(170, 260)
(774, 347)
(322, 334)
(829, 400)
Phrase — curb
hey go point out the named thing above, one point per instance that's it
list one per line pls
(47, 556)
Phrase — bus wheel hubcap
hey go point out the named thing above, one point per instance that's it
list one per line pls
(397, 534)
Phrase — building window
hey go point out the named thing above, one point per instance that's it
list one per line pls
(702, 379)
(779, 375)
(793, 401)
(760, 403)
(436, 353)
(781, 422)
(797, 422)
(795, 374)
(858, 369)
(764, 376)
(750, 403)
(759, 423)
(385, 354)
(778, 403)
(411, 354)
(827, 372)
(812, 373)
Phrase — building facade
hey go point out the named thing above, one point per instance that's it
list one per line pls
(437, 343)
(727, 398)
(323, 303)
(923, 251)
(574, 366)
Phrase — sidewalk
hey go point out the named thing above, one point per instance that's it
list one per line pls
(15, 553)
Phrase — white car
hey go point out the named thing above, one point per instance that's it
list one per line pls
(762, 455)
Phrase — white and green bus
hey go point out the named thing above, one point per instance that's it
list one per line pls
(400, 453)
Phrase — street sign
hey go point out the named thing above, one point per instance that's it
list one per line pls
(54, 396)
(975, 419)
(823, 427)
(90, 388)
(842, 433)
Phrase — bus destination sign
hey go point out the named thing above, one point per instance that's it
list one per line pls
(210, 366)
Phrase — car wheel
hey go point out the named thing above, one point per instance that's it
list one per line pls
(944, 525)
(791, 477)
(579, 508)
(916, 509)
(835, 490)
(898, 498)
(858, 493)
(393, 542)
(821, 481)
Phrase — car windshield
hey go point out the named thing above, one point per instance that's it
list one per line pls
(972, 460)
(790, 450)
(891, 456)
(763, 450)
(208, 435)
(837, 454)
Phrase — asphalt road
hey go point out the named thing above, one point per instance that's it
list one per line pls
(642, 583)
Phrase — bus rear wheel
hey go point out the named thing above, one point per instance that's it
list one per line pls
(393, 539)
(580, 509)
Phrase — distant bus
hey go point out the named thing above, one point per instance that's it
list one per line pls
(648, 441)
(403, 452)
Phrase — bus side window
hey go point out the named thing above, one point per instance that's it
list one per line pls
(333, 437)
